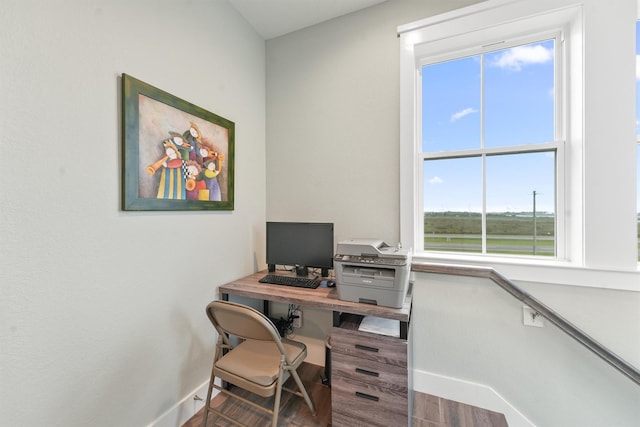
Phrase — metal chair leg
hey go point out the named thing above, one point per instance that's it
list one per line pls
(303, 391)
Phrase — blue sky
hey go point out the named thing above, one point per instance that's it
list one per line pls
(518, 108)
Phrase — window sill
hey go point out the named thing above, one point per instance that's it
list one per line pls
(541, 271)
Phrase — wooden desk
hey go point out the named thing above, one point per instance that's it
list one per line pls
(370, 373)
(321, 298)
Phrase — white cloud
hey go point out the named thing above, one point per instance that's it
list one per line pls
(461, 114)
(435, 180)
(516, 57)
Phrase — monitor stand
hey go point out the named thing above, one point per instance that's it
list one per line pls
(302, 270)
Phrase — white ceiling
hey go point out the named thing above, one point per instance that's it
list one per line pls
(273, 18)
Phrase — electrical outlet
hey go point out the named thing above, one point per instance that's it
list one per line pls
(530, 317)
(297, 321)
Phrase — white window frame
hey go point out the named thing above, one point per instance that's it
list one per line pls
(600, 249)
(424, 58)
(495, 20)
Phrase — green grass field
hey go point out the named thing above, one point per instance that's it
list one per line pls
(497, 224)
(494, 245)
(507, 233)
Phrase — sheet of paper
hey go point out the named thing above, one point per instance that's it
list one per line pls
(379, 325)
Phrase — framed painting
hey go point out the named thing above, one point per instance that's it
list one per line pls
(175, 155)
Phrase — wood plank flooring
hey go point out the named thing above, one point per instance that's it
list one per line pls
(429, 411)
(433, 411)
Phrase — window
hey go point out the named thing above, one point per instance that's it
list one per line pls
(489, 143)
(580, 146)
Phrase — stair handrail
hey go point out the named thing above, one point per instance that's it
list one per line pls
(552, 316)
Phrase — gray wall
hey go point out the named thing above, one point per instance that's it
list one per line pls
(332, 120)
(102, 311)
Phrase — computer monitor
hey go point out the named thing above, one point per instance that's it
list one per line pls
(301, 245)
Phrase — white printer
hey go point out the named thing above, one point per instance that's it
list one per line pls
(371, 271)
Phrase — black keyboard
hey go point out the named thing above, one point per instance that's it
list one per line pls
(299, 282)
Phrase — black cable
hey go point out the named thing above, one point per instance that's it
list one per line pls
(291, 316)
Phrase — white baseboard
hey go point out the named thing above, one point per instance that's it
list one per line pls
(449, 388)
(469, 393)
(186, 408)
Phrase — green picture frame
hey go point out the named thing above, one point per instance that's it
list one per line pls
(175, 155)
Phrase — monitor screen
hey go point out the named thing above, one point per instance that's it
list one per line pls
(302, 244)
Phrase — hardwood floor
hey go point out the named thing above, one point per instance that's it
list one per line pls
(294, 411)
(429, 411)
(433, 411)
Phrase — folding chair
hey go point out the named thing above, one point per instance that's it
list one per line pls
(261, 363)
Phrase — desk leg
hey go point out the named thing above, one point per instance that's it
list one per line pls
(265, 307)
(336, 319)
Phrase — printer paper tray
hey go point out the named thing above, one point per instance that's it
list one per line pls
(367, 276)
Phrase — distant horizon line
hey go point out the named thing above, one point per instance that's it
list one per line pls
(466, 212)
(510, 213)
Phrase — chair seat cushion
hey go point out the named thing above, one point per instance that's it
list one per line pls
(259, 361)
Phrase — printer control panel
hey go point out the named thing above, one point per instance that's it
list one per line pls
(374, 260)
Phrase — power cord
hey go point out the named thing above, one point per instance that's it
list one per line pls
(285, 326)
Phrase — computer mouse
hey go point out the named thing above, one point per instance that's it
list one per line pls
(331, 283)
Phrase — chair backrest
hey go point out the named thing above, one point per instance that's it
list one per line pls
(242, 321)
